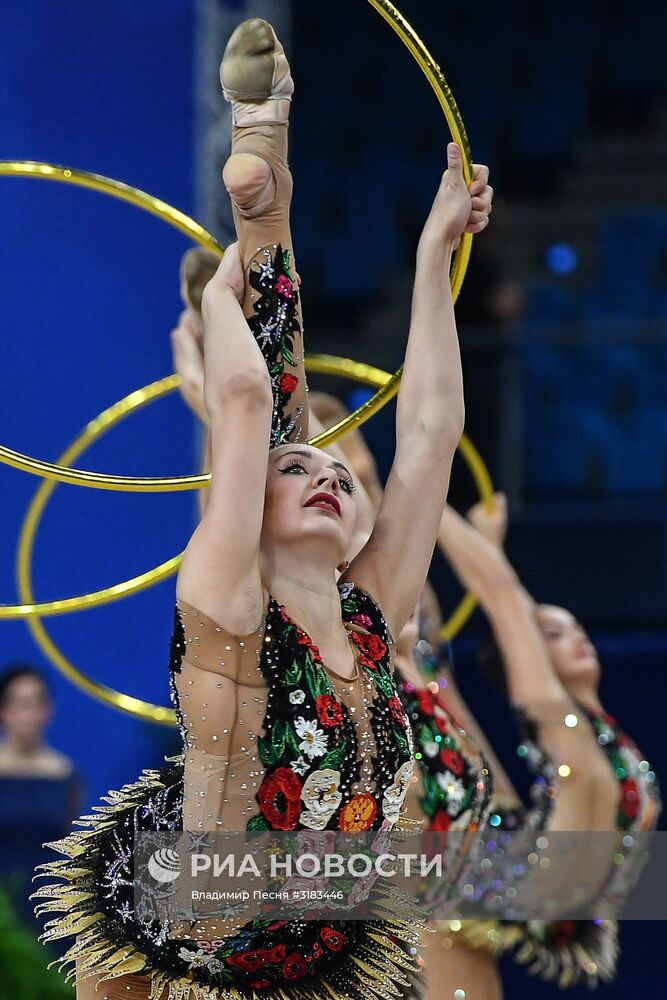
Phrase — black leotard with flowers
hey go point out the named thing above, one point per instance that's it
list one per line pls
(303, 710)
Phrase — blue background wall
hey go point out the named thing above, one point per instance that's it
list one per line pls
(88, 295)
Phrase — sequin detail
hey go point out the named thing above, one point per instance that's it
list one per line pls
(569, 952)
(330, 788)
(275, 326)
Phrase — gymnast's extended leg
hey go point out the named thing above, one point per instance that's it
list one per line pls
(257, 81)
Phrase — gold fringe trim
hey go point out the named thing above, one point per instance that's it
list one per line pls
(566, 966)
(573, 963)
(491, 936)
(380, 970)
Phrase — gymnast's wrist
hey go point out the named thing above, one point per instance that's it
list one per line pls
(435, 250)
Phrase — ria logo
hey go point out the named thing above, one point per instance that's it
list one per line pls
(165, 865)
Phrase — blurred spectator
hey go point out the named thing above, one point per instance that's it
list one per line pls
(40, 791)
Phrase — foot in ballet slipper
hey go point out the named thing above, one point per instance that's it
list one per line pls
(198, 266)
(255, 75)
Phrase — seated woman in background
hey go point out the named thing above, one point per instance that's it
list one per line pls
(40, 791)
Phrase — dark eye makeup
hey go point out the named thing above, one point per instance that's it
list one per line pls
(292, 466)
(297, 467)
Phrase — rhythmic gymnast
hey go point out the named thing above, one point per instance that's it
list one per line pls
(281, 674)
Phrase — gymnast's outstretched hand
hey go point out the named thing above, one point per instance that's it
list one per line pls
(457, 208)
(491, 519)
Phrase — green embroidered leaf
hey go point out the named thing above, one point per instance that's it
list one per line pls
(350, 606)
(402, 742)
(292, 740)
(293, 674)
(334, 758)
(287, 265)
(385, 682)
(322, 682)
(425, 735)
(287, 355)
(257, 823)
(278, 738)
(429, 806)
(223, 976)
(311, 676)
(265, 750)
(431, 786)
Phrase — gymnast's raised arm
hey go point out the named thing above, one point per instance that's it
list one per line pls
(430, 415)
(220, 570)
(587, 794)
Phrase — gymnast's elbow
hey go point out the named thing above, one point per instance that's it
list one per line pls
(247, 392)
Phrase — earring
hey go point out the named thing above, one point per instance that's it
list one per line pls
(343, 566)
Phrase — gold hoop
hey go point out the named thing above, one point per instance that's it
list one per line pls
(355, 371)
(33, 613)
(188, 226)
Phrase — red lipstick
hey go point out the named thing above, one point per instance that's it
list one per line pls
(324, 500)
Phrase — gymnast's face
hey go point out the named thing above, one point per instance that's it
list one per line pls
(572, 653)
(309, 495)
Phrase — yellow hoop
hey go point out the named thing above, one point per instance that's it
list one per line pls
(355, 371)
(182, 222)
(32, 612)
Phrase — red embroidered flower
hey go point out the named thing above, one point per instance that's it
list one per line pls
(329, 711)
(304, 640)
(288, 383)
(276, 954)
(364, 621)
(259, 984)
(397, 711)
(562, 932)
(295, 966)
(453, 761)
(441, 822)
(317, 949)
(372, 649)
(426, 701)
(280, 799)
(375, 647)
(284, 286)
(248, 961)
(629, 804)
(277, 925)
(334, 940)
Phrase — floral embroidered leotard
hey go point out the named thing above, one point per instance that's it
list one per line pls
(570, 952)
(310, 750)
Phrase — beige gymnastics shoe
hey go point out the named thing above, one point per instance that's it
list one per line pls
(198, 266)
(255, 75)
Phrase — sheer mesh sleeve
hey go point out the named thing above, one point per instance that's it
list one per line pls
(221, 699)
